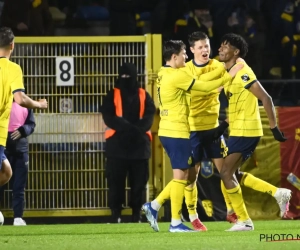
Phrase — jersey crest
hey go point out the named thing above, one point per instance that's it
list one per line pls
(207, 169)
(245, 78)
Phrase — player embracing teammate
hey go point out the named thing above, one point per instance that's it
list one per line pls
(206, 140)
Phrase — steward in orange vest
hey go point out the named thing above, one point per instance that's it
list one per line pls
(128, 112)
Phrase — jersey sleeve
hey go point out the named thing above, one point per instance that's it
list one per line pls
(247, 78)
(212, 75)
(183, 79)
(16, 80)
(207, 86)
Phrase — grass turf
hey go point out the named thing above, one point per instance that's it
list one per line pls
(140, 236)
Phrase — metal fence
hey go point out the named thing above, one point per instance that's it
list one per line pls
(66, 175)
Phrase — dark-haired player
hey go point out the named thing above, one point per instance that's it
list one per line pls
(11, 78)
(245, 127)
(173, 87)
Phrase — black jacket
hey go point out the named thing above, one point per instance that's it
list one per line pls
(21, 145)
(130, 140)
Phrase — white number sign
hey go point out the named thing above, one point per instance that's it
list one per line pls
(64, 71)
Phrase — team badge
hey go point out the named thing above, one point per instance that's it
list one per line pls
(245, 78)
(207, 169)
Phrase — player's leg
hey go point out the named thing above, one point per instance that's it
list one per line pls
(138, 176)
(217, 150)
(234, 192)
(5, 168)
(282, 195)
(231, 216)
(191, 192)
(116, 171)
(151, 208)
(239, 150)
(178, 151)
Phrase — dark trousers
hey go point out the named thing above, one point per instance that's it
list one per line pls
(138, 174)
(17, 183)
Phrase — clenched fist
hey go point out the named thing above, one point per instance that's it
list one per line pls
(43, 103)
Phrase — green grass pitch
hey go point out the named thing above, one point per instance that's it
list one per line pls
(129, 236)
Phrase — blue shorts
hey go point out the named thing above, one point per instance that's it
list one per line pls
(2, 155)
(243, 145)
(204, 148)
(179, 151)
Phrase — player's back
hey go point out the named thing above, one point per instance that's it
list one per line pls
(243, 110)
(204, 109)
(174, 100)
(10, 80)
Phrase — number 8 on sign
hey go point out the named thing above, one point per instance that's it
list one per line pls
(64, 71)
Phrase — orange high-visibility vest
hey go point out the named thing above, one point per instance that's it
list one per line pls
(119, 111)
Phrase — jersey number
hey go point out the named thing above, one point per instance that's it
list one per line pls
(65, 68)
(64, 71)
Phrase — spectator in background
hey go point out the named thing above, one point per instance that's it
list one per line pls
(21, 125)
(250, 26)
(289, 29)
(254, 34)
(122, 17)
(164, 15)
(128, 112)
(27, 17)
(199, 19)
(221, 10)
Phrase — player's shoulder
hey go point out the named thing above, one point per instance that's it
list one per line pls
(189, 64)
(166, 73)
(215, 63)
(245, 73)
(12, 66)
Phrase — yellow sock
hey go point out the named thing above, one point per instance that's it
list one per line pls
(248, 180)
(191, 197)
(164, 194)
(237, 202)
(226, 198)
(176, 195)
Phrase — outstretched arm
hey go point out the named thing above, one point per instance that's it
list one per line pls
(207, 86)
(25, 101)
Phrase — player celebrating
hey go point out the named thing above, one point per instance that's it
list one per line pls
(245, 127)
(173, 87)
(203, 121)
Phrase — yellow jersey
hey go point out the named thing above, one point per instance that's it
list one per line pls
(204, 109)
(243, 111)
(11, 78)
(173, 93)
